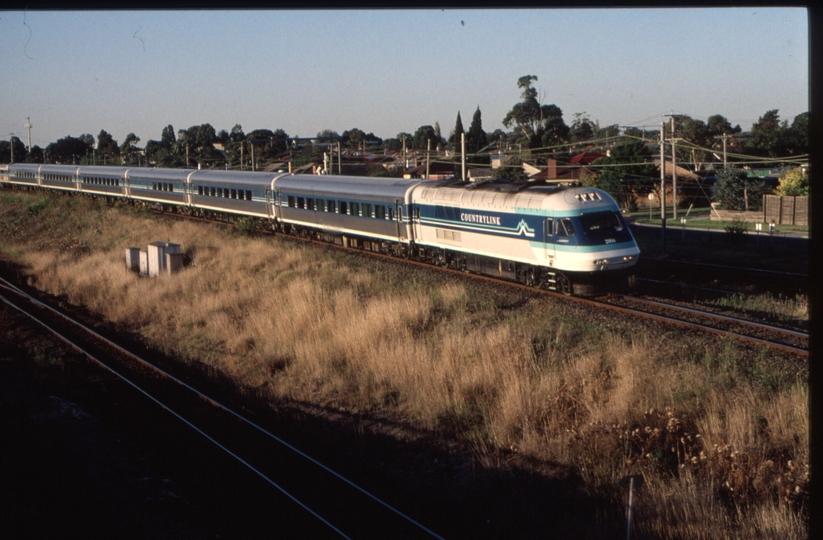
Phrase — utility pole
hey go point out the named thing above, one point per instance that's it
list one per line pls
(339, 160)
(663, 185)
(674, 173)
(11, 147)
(463, 153)
(724, 138)
(674, 165)
(28, 126)
(428, 149)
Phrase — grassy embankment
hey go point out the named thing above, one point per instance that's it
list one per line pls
(720, 432)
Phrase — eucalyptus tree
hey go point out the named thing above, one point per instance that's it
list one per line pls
(537, 125)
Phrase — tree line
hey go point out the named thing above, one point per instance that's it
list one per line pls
(536, 130)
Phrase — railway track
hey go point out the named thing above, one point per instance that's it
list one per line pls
(775, 337)
(303, 495)
(784, 339)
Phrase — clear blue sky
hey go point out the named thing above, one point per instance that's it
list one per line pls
(391, 71)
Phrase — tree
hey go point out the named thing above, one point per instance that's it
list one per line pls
(609, 131)
(17, 147)
(35, 155)
(422, 136)
(798, 138)
(107, 148)
(167, 138)
(328, 135)
(476, 140)
(354, 139)
(128, 150)
(735, 191)
(67, 150)
(538, 125)
(511, 170)
(769, 136)
(455, 139)
(581, 128)
(718, 125)
(633, 132)
(794, 182)
(627, 164)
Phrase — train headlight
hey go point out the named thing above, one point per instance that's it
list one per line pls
(628, 258)
(601, 262)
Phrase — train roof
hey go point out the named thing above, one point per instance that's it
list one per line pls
(158, 173)
(246, 178)
(96, 170)
(349, 185)
(510, 195)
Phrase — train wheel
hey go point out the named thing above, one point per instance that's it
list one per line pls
(564, 285)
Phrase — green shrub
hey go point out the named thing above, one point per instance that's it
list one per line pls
(736, 229)
(35, 208)
(247, 225)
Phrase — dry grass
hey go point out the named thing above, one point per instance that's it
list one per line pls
(720, 437)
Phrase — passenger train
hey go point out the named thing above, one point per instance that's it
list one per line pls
(569, 239)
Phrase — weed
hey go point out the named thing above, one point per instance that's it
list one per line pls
(34, 208)
(247, 225)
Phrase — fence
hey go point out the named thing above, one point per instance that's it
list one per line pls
(786, 210)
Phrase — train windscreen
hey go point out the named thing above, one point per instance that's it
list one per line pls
(602, 224)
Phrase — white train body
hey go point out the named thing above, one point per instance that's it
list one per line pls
(564, 238)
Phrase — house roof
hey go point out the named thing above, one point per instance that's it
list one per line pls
(681, 172)
(586, 158)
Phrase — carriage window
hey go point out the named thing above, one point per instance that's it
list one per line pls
(391, 212)
(565, 227)
(301, 203)
(154, 185)
(331, 206)
(199, 190)
(343, 208)
(248, 195)
(310, 203)
(366, 210)
(355, 209)
(380, 212)
(213, 194)
(291, 201)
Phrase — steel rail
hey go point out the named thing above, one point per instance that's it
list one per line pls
(727, 318)
(697, 326)
(11, 287)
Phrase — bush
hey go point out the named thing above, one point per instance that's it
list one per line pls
(35, 208)
(736, 229)
(247, 225)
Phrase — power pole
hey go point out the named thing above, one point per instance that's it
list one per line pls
(724, 138)
(428, 149)
(28, 126)
(11, 147)
(674, 173)
(663, 186)
(463, 153)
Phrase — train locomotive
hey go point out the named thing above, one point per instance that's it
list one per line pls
(569, 239)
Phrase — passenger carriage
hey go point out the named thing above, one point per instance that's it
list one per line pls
(233, 192)
(62, 177)
(24, 174)
(160, 186)
(108, 181)
(345, 208)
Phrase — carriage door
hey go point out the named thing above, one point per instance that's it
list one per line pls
(401, 231)
(548, 240)
(269, 206)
